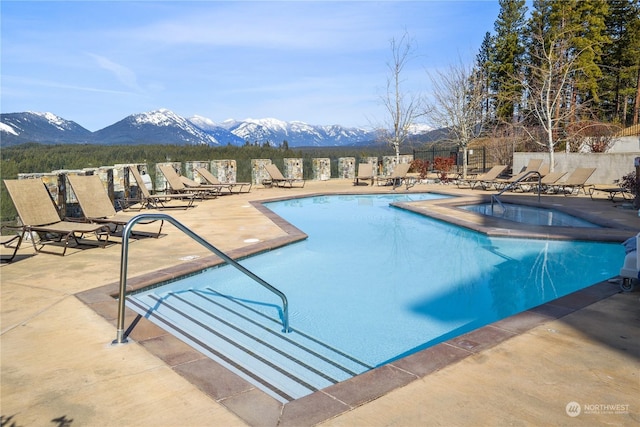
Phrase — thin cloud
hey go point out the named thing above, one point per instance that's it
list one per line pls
(18, 80)
(123, 74)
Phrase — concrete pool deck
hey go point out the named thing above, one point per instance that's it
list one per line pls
(58, 364)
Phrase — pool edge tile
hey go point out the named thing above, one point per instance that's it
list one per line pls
(172, 351)
(481, 339)
(213, 379)
(431, 359)
(255, 407)
(311, 410)
(370, 385)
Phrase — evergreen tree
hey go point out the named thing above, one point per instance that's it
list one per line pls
(508, 54)
(484, 60)
(587, 39)
(619, 85)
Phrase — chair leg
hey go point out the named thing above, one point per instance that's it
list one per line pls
(15, 249)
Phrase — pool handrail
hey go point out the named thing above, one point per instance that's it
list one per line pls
(511, 184)
(120, 338)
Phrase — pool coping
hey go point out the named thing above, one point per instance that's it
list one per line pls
(257, 407)
(450, 210)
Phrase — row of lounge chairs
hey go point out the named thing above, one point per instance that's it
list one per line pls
(44, 228)
(39, 217)
(155, 201)
(535, 177)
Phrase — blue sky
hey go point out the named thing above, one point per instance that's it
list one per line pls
(96, 62)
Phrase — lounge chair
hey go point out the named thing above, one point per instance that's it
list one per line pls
(365, 172)
(96, 205)
(38, 214)
(485, 180)
(233, 187)
(156, 201)
(204, 190)
(575, 182)
(279, 180)
(177, 186)
(397, 177)
(9, 239)
(612, 191)
(517, 180)
(550, 179)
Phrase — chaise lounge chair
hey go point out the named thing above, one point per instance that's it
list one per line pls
(279, 180)
(365, 173)
(612, 191)
(156, 201)
(485, 180)
(9, 239)
(204, 189)
(233, 187)
(96, 205)
(515, 181)
(397, 177)
(177, 185)
(547, 181)
(38, 214)
(575, 182)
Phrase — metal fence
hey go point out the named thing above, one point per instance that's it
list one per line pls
(476, 158)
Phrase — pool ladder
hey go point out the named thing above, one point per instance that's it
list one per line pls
(120, 337)
(494, 197)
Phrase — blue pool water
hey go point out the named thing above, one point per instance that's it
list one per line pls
(530, 215)
(379, 282)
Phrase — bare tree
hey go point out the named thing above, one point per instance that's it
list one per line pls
(456, 104)
(547, 88)
(402, 108)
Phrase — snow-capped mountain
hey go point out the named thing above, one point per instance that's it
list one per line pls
(156, 127)
(296, 133)
(46, 128)
(165, 127)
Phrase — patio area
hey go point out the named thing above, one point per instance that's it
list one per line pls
(575, 360)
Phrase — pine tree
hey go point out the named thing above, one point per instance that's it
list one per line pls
(619, 85)
(508, 54)
(484, 60)
(587, 39)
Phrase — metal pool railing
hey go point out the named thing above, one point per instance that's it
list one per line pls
(494, 197)
(120, 338)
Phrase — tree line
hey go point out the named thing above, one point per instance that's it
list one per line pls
(588, 50)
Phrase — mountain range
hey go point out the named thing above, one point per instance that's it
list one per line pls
(165, 127)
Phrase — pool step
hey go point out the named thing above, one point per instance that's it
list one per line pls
(285, 365)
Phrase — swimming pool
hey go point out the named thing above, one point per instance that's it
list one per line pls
(530, 215)
(375, 283)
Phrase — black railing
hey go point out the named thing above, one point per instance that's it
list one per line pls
(476, 157)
